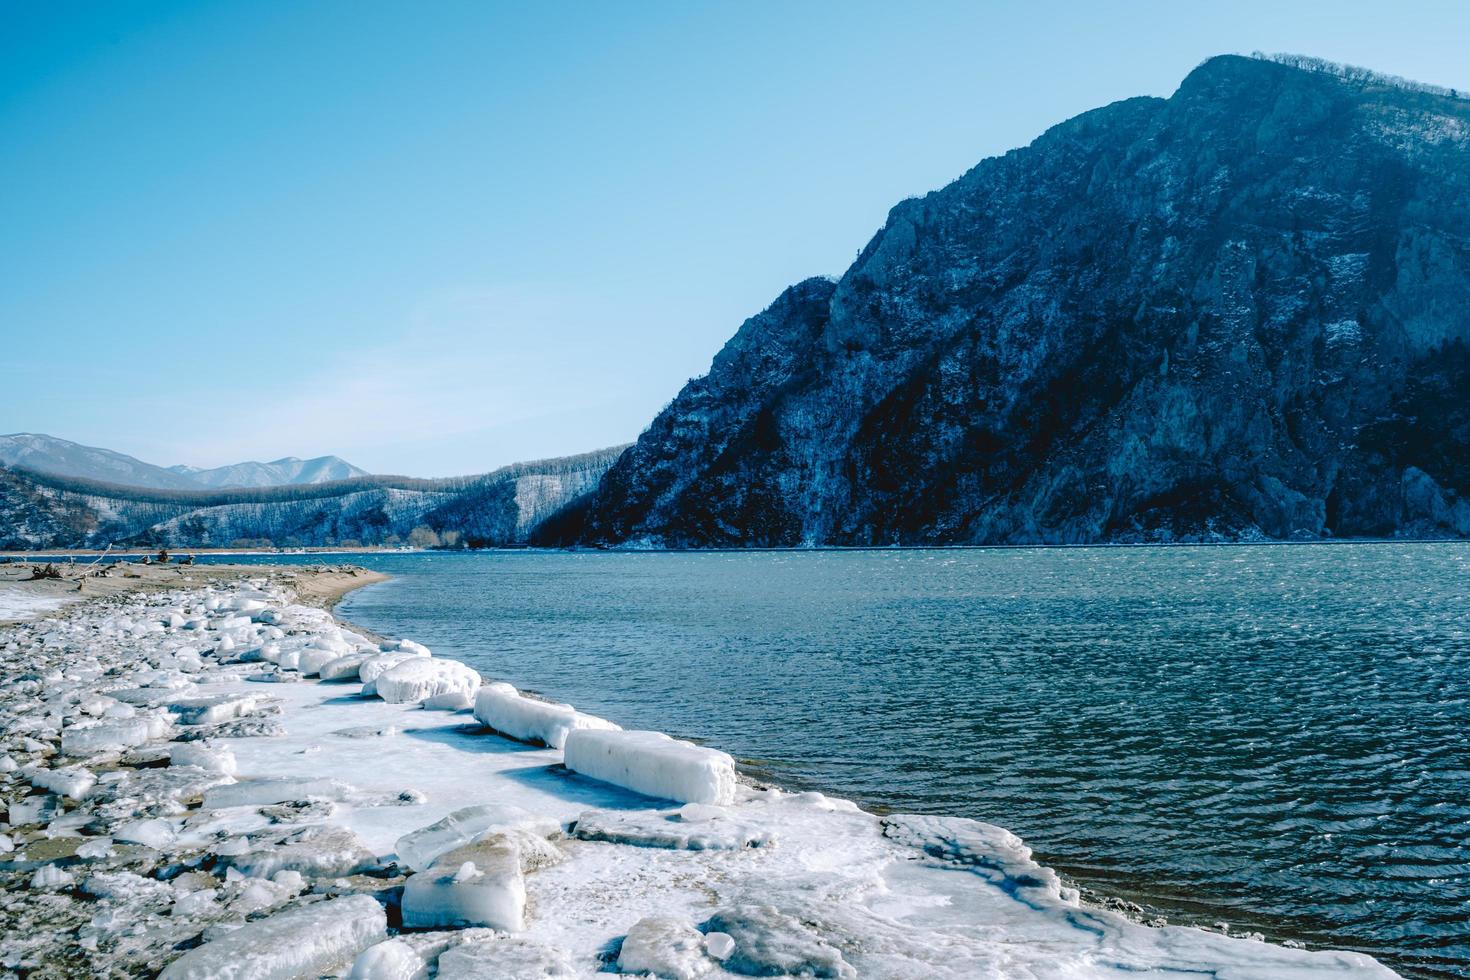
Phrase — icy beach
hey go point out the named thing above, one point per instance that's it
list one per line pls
(211, 777)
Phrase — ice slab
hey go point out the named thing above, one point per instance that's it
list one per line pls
(511, 959)
(390, 960)
(204, 755)
(156, 833)
(699, 831)
(770, 942)
(477, 884)
(342, 668)
(72, 782)
(313, 659)
(654, 764)
(212, 709)
(993, 852)
(449, 701)
(501, 707)
(309, 941)
(419, 849)
(418, 678)
(92, 737)
(280, 789)
(321, 851)
(373, 666)
(17, 602)
(666, 947)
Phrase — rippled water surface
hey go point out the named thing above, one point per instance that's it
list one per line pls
(1270, 736)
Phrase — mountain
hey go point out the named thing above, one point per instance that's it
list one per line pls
(49, 454)
(43, 510)
(278, 472)
(1235, 313)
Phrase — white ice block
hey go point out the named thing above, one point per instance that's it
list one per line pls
(378, 664)
(212, 709)
(312, 660)
(310, 940)
(391, 960)
(341, 668)
(73, 782)
(478, 884)
(280, 789)
(654, 764)
(501, 707)
(666, 947)
(89, 737)
(505, 957)
(420, 848)
(214, 758)
(423, 677)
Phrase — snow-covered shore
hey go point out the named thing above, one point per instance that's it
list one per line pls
(182, 800)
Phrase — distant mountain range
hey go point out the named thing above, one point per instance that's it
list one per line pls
(1241, 312)
(285, 471)
(61, 457)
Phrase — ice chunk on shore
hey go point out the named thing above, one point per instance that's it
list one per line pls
(511, 959)
(92, 737)
(654, 764)
(211, 758)
(213, 709)
(373, 667)
(32, 809)
(422, 677)
(668, 948)
(420, 848)
(342, 668)
(719, 944)
(313, 659)
(309, 940)
(992, 852)
(321, 851)
(49, 877)
(72, 782)
(503, 708)
(449, 701)
(769, 942)
(157, 834)
(261, 792)
(391, 960)
(477, 884)
(706, 829)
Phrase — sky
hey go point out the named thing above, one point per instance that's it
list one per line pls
(438, 238)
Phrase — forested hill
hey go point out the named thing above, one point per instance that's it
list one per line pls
(41, 510)
(1238, 312)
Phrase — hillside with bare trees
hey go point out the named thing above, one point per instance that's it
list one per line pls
(43, 510)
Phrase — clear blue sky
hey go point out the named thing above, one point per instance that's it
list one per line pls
(438, 237)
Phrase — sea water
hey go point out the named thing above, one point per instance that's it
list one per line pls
(1272, 737)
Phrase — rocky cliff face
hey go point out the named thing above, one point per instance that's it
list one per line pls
(1242, 311)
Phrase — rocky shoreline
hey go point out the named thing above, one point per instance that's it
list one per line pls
(183, 800)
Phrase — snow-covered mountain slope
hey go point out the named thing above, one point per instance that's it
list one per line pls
(278, 472)
(39, 510)
(48, 454)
